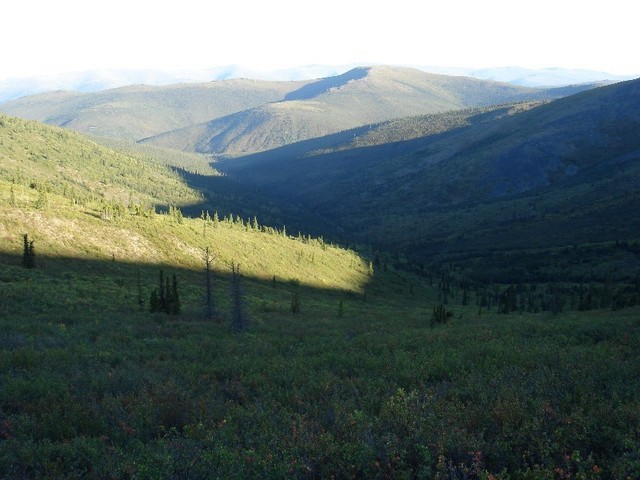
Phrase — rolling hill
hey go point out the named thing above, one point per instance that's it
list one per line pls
(139, 111)
(242, 116)
(499, 179)
(79, 199)
(51, 160)
(361, 96)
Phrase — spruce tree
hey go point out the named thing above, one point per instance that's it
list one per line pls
(12, 197)
(28, 253)
(168, 296)
(295, 303)
(42, 203)
(162, 298)
(239, 318)
(154, 302)
(175, 307)
(210, 310)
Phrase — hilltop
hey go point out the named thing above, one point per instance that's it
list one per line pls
(361, 96)
(138, 111)
(96, 80)
(241, 116)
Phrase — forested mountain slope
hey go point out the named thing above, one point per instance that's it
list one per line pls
(499, 179)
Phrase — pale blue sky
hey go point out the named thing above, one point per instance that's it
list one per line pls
(43, 37)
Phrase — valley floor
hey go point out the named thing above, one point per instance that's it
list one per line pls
(355, 385)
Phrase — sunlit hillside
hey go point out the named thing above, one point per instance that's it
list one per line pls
(54, 160)
(77, 199)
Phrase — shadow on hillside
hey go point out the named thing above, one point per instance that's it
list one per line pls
(272, 185)
(63, 285)
(226, 196)
(323, 85)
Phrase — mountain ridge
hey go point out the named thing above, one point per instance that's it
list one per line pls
(361, 96)
(95, 80)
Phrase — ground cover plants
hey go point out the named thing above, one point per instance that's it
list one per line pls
(94, 386)
(359, 383)
(304, 360)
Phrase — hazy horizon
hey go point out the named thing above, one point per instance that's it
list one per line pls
(67, 36)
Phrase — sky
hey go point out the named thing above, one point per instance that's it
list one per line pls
(45, 37)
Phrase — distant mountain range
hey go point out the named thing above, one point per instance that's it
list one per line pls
(139, 111)
(361, 96)
(96, 80)
(242, 116)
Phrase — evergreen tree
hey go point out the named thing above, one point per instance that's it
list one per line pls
(440, 315)
(154, 302)
(12, 197)
(162, 298)
(168, 296)
(139, 288)
(175, 307)
(465, 297)
(239, 318)
(509, 300)
(295, 303)
(28, 253)
(210, 310)
(42, 203)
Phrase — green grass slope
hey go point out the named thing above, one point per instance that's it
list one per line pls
(94, 202)
(48, 160)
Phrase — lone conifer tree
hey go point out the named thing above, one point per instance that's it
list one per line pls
(139, 288)
(162, 294)
(239, 318)
(28, 254)
(174, 308)
(154, 302)
(12, 196)
(295, 303)
(210, 311)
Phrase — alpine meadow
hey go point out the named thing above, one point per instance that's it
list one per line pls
(382, 274)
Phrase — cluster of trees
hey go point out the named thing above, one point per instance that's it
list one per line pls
(166, 298)
(248, 224)
(533, 298)
(440, 315)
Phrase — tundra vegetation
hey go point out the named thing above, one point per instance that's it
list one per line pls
(288, 356)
